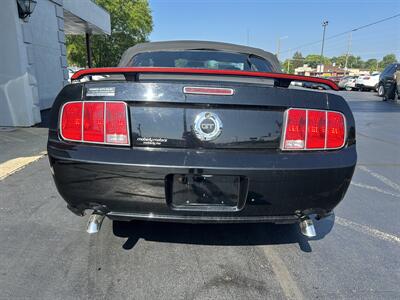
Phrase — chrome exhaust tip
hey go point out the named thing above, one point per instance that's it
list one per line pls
(307, 227)
(94, 223)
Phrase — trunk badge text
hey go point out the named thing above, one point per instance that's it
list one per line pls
(207, 126)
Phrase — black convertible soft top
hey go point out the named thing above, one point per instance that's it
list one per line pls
(197, 45)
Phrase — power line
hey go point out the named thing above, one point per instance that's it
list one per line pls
(343, 33)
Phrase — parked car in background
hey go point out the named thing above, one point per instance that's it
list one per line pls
(345, 80)
(309, 85)
(351, 84)
(386, 79)
(314, 86)
(397, 77)
(392, 87)
(368, 82)
(335, 79)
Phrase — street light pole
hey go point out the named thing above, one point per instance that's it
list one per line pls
(324, 24)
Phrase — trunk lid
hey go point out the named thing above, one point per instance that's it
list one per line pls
(162, 115)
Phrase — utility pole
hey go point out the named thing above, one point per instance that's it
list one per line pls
(348, 53)
(278, 48)
(324, 24)
(278, 43)
(288, 61)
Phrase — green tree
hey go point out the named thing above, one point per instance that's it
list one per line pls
(298, 60)
(290, 64)
(372, 64)
(314, 59)
(358, 62)
(387, 60)
(340, 61)
(131, 23)
(285, 64)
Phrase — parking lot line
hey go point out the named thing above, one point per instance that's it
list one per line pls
(14, 165)
(288, 285)
(382, 178)
(368, 230)
(374, 188)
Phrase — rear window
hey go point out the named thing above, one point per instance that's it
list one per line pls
(217, 60)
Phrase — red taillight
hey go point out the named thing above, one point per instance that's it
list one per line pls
(93, 122)
(101, 122)
(336, 130)
(71, 121)
(116, 123)
(308, 129)
(295, 129)
(316, 129)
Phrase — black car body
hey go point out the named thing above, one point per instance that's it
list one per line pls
(204, 145)
(387, 81)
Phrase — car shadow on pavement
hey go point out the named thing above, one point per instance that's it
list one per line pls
(247, 234)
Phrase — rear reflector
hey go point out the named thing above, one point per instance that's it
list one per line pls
(309, 129)
(100, 122)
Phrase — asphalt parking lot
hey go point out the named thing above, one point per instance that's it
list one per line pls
(45, 252)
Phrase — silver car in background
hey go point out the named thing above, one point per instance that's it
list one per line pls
(348, 83)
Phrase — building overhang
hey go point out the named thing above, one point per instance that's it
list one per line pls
(85, 16)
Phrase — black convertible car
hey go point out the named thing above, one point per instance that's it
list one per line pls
(192, 131)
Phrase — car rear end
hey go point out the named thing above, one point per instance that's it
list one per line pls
(368, 82)
(343, 81)
(200, 150)
(200, 132)
(351, 84)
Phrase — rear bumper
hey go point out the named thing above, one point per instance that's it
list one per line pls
(128, 183)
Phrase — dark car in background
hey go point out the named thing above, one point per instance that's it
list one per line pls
(387, 81)
(397, 90)
(191, 131)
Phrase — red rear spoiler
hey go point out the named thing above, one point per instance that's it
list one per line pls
(283, 79)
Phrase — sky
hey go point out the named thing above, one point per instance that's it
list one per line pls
(261, 23)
